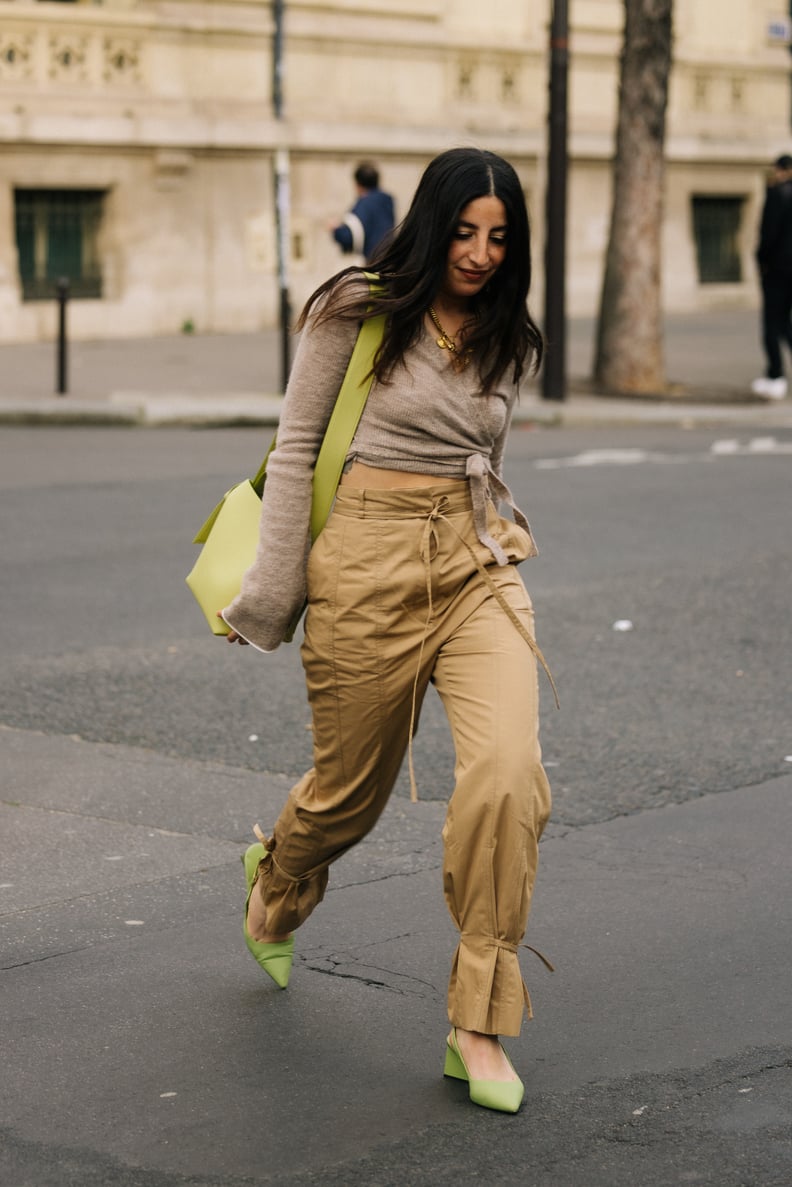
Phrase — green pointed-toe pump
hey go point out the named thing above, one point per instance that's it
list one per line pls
(503, 1095)
(276, 958)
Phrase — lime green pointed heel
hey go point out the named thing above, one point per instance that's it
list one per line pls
(275, 959)
(503, 1095)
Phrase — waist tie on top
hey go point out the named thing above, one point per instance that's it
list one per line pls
(484, 482)
(481, 478)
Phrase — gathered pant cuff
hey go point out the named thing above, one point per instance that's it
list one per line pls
(288, 901)
(486, 992)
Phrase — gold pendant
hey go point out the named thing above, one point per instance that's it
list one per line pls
(445, 341)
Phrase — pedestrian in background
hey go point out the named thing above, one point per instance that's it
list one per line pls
(370, 219)
(774, 255)
(414, 580)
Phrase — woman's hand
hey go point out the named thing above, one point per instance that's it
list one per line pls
(232, 636)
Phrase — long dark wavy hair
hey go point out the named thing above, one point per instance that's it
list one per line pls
(411, 264)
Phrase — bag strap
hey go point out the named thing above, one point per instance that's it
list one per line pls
(348, 409)
(344, 421)
(258, 482)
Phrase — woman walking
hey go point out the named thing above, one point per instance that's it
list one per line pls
(414, 580)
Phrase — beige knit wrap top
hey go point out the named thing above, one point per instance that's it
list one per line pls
(427, 419)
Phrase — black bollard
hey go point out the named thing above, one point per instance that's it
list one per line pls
(62, 293)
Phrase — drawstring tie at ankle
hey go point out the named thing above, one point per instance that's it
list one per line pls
(493, 946)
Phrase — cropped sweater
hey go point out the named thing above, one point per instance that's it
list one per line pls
(427, 419)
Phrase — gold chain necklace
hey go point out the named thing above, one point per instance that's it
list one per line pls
(446, 342)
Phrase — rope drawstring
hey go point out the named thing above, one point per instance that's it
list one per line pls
(507, 946)
(526, 994)
(428, 549)
(507, 609)
(429, 542)
(550, 968)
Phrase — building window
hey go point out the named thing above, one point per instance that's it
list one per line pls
(57, 234)
(716, 229)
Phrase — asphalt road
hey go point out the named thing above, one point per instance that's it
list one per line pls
(141, 1048)
(100, 637)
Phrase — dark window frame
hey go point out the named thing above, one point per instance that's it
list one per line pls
(57, 235)
(717, 226)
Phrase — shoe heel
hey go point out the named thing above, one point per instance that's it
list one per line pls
(250, 859)
(454, 1067)
(275, 958)
(502, 1096)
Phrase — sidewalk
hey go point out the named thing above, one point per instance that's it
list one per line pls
(215, 379)
(143, 1043)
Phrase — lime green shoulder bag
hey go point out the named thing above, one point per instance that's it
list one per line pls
(230, 534)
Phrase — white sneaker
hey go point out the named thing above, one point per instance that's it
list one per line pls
(771, 389)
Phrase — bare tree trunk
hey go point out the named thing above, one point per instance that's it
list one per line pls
(630, 330)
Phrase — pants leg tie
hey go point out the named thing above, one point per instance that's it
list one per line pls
(495, 945)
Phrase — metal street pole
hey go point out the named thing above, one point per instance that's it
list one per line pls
(282, 206)
(282, 185)
(61, 377)
(554, 374)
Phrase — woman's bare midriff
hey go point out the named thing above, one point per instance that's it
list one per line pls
(361, 476)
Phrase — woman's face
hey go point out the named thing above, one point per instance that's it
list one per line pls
(478, 248)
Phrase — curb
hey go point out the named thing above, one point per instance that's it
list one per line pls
(129, 409)
(245, 410)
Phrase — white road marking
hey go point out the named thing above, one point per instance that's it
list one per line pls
(596, 457)
(756, 445)
(723, 448)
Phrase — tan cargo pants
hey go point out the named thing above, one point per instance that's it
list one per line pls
(396, 599)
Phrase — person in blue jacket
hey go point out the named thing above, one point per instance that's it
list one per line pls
(370, 219)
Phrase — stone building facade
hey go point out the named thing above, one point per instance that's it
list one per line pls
(138, 139)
